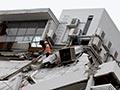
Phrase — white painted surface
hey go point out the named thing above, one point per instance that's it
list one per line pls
(8, 67)
(57, 77)
(107, 68)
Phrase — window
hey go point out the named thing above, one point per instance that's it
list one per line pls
(25, 31)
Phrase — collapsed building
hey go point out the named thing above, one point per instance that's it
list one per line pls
(81, 50)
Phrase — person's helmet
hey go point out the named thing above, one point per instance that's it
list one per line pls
(46, 42)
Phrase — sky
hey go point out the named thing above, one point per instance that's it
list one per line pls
(112, 6)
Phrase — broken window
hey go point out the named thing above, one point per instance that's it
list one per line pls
(24, 32)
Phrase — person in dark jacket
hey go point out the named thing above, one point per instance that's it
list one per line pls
(3, 28)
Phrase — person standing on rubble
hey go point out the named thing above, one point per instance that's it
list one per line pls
(46, 48)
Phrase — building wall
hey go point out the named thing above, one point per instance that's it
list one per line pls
(111, 32)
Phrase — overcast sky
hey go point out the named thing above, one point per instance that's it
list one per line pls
(112, 6)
